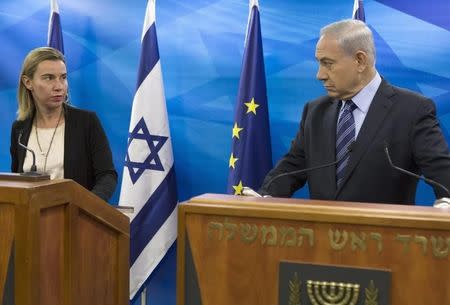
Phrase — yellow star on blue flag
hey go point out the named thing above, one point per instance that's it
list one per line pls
(251, 106)
(238, 188)
(236, 131)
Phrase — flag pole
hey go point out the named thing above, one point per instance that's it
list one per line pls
(144, 296)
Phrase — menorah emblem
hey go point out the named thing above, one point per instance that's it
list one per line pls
(332, 293)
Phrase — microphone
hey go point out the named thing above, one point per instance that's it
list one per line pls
(406, 172)
(33, 169)
(305, 170)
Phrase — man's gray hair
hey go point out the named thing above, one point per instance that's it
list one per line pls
(352, 35)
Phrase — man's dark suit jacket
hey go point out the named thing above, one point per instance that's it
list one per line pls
(87, 156)
(406, 121)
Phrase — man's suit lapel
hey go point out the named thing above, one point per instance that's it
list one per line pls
(378, 110)
(329, 140)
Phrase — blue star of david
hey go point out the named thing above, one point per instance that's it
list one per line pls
(154, 142)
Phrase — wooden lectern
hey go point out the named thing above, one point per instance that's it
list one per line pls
(230, 249)
(60, 245)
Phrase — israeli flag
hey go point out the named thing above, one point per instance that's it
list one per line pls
(55, 38)
(358, 11)
(148, 182)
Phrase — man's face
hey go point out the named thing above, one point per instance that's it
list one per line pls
(337, 70)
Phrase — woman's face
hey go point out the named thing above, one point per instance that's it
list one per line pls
(48, 85)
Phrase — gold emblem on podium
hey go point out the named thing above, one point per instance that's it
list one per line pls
(332, 293)
(294, 290)
(371, 294)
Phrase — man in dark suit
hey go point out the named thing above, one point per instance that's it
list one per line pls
(361, 116)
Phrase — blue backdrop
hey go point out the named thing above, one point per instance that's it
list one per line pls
(201, 46)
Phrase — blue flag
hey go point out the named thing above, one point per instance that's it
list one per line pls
(55, 38)
(358, 11)
(251, 154)
(148, 182)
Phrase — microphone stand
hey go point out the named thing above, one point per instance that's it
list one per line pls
(247, 191)
(33, 170)
(443, 202)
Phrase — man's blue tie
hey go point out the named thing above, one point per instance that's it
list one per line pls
(344, 136)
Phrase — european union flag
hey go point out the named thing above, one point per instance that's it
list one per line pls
(251, 155)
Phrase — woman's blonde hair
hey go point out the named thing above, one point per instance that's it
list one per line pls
(29, 67)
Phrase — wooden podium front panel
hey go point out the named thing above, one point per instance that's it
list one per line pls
(79, 256)
(96, 270)
(237, 247)
(52, 250)
(6, 242)
(69, 246)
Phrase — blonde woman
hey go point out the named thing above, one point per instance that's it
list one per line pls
(68, 142)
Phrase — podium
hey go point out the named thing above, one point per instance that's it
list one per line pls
(234, 250)
(60, 244)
